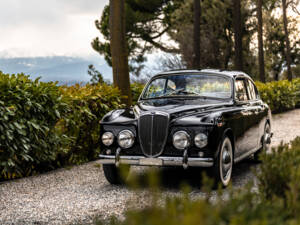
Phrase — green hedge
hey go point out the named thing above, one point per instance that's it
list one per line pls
(88, 104)
(279, 95)
(44, 126)
(29, 111)
(296, 82)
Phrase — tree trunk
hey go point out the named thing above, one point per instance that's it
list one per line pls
(237, 26)
(261, 61)
(196, 47)
(276, 77)
(287, 41)
(118, 47)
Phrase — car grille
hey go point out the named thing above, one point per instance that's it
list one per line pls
(153, 132)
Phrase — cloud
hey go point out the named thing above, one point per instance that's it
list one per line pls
(49, 27)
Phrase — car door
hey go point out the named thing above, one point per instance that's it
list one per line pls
(259, 112)
(241, 117)
(254, 116)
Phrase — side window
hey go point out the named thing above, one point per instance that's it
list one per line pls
(252, 90)
(240, 90)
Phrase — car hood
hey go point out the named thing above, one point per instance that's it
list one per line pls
(178, 109)
(175, 106)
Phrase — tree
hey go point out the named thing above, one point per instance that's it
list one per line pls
(287, 40)
(196, 47)
(118, 48)
(238, 43)
(275, 60)
(261, 62)
(216, 38)
(274, 45)
(147, 22)
(96, 76)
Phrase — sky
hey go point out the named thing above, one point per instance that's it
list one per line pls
(31, 28)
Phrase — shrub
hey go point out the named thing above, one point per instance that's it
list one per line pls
(88, 105)
(29, 111)
(296, 82)
(241, 210)
(279, 169)
(279, 95)
(43, 126)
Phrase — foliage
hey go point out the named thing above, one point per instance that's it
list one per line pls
(279, 95)
(88, 105)
(215, 87)
(146, 22)
(43, 126)
(275, 44)
(96, 76)
(240, 210)
(279, 169)
(296, 82)
(29, 111)
(150, 25)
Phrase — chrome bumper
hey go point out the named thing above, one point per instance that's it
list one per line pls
(159, 161)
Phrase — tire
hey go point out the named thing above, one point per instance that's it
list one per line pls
(223, 164)
(265, 146)
(116, 175)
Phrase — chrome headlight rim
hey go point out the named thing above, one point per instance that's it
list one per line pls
(188, 139)
(132, 136)
(108, 138)
(201, 140)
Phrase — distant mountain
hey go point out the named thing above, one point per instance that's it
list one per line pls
(66, 70)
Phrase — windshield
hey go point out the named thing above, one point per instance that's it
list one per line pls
(194, 85)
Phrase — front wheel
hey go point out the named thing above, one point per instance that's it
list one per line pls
(224, 163)
(115, 175)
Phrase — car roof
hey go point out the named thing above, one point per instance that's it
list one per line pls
(227, 73)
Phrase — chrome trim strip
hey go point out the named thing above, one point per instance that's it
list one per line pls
(247, 154)
(166, 160)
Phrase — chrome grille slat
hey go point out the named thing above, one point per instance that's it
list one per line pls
(153, 132)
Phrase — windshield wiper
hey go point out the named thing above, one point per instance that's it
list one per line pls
(181, 90)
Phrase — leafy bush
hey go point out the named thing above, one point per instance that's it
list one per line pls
(88, 105)
(296, 82)
(279, 169)
(29, 111)
(279, 95)
(43, 126)
(243, 209)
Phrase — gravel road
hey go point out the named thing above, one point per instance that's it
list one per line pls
(76, 195)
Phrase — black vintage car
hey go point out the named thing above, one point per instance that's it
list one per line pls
(188, 118)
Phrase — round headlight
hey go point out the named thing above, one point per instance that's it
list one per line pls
(181, 140)
(107, 138)
(125, 139)
(200, 140)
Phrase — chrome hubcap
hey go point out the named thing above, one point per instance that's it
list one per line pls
(226, 162)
